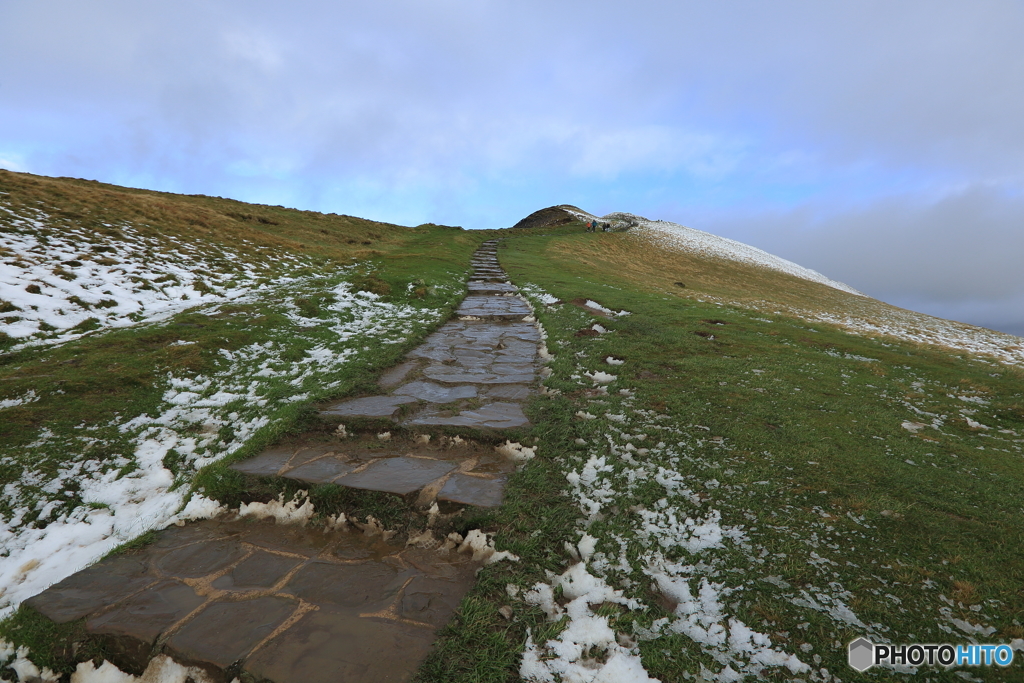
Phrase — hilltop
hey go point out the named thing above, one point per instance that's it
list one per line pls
(741, 465)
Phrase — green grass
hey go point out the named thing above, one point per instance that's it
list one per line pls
(791, 431)
(56, 646)
(85, 393)
(821, 428)
(89, 388)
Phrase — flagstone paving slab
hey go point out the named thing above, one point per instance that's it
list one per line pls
(482, 306)
(328, 646)
(225, 632)
(396, 375)
(147, 614)
(491, 288)
(296, 605)
(435, 393)
(322, 471)
(491, 416)
(456, 376)
(369, 406)
(292, 604)
(266, 464)
(260, 570)
(515, 392)
(401, 475)
(90, 589)
(467, 490)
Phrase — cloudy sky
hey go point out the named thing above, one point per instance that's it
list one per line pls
(880, 143)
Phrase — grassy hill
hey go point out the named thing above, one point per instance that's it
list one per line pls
(736, 475)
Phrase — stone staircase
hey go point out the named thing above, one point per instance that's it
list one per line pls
(285, 603)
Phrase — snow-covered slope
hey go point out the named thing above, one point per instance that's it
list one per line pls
(57, 282)
(862, 315)
(678, 237)
(675, 236)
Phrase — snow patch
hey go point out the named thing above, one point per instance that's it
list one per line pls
(298, 510)
(481, 545)
(161, 669)
(517, 452)
(569, 657)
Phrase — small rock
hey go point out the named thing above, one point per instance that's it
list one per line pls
(506, 612)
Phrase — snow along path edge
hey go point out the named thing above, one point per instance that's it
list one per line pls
(240, 397)
(597, 481)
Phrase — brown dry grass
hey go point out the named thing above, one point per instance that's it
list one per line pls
(90, 204)
(657, 268)
(660, 269)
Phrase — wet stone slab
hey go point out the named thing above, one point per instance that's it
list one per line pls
(266, 464)
(90, 589)
(322, 471)
(469, 490)
(492, 288)
(279, 460)
(487, 306)
(513, 392)
(333, 461)
(457, 376)
(148, 613)
(498, 415)
(330, 646)
(435, 393)
(396, 375)
(370, 406)
(401, 475)
(225, 632)
(295, 605)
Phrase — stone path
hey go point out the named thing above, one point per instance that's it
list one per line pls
(278, 602)
(289, 604)
(474, 373)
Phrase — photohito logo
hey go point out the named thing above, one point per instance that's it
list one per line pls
(863, 654)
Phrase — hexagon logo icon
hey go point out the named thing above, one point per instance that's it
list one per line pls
(861, 654)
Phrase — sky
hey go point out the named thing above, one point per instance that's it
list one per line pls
(879, 143)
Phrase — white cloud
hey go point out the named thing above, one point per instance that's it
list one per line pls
(254, 47)
(478, 113)
(610, 152)
(10, 162)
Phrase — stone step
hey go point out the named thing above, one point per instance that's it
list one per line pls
(289, 604)
(277, 602)
(399, 466)
(491, 306)
(491, 287)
